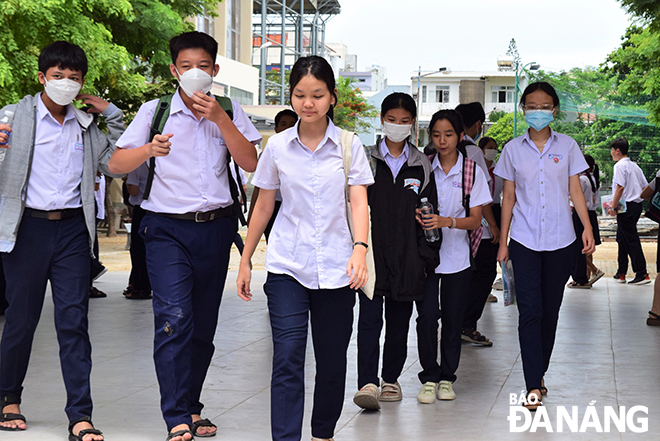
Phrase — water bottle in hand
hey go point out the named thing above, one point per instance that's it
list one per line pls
(426, 208)
(7, 119)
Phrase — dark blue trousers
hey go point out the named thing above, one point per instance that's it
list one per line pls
(57, 251)
(330, 311)
(187, 263)
(540, 278)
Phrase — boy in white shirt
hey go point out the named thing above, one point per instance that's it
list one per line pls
(628, 182)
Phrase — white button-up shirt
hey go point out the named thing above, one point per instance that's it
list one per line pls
(542, 219)
(138, 177)
(393, 163)
(310, 240)
(628, 175)
(193, 176)
(590, 197)
(57, 163)
(455, 248)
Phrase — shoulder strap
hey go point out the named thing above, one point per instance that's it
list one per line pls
(467, 182)
(158, 123)
(346, 139)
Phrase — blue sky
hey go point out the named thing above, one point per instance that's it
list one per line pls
(470, 34)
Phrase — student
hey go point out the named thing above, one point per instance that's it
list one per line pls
(139, 286)
(283, 120)
(540, 170)
(401, 253)
(590, 183)
(187, 228)
(628, 182)
(451, 171)
(313, 265)
(653, 318)
(47, 228)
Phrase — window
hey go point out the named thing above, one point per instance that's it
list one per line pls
(206, 24)
(441, 94)
(233, 29)
(423, 94)
(502, 94)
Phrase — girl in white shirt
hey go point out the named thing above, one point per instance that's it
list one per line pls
(590, 184)
(313, 265)
(540, 170)
(446, 129)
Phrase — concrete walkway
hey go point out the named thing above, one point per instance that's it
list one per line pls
(604, 354)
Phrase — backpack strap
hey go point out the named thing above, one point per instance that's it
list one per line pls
(469, 174)
(158, 123)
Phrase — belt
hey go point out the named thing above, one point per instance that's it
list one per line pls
(198, 216)
(54, 214)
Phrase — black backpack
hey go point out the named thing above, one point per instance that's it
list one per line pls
(157, 124)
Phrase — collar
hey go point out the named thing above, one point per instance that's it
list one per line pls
(42, 110)
(384, 151)
(627, 158)
(469, 139)
(456, 169)
(525, 137)
(178, 105)
(331, 133)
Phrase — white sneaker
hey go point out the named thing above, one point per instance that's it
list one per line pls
(426, 394)
(446, 391)
(498, 285)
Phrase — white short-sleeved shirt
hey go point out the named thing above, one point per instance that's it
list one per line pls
(138, 177)
(57, 163)
(652, 183)
(193, 176)
(310, 240)
(393, 163)
(542, 219)
(590, 196)
(455, 248)
(628, 175)
(99, 197)
(477, 155)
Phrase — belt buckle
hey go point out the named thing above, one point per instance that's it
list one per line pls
(198, 218)
(54, 215)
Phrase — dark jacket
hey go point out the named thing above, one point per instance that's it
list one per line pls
(401, 253)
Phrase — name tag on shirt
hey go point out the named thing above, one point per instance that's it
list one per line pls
(555, 158)
(412, 184)
(457, 184)
(78, 146)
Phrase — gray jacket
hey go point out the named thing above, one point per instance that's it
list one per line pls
(16, 164)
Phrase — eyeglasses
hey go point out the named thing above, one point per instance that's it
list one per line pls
(541, 107)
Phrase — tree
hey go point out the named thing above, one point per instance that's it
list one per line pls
(648, 10)
(126, 42)
(502, 130)
(513, 51)
(273, 92)
(352, 112)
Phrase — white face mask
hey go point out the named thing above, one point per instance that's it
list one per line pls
(396, 132)
(490, 154)
(63, 91)
(195, 80)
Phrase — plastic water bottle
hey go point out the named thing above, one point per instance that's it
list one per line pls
(7, 119)
(426, 208)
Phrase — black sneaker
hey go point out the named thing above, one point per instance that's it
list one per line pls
(98, 272)
(621, 278)
(640, 280)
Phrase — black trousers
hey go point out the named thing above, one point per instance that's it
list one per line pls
(3, 286)
(139, 278)
(395, 349)
(453, 296)
(628, 240)
(579, 272)
(540, 280)
(481, 282)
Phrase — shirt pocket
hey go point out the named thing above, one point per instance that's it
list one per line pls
(75, 155)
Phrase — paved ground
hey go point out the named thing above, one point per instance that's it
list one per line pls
(604, 354)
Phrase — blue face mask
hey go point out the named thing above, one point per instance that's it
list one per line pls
(538, 119)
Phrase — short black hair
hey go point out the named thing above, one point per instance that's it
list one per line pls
(621, 144)
(483, 142)
(285, 112)
(540, 85)
(471, 113)
(64, 55)
(193, 40)
(399, 100)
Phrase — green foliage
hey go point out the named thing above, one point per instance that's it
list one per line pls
(126, 42)
(502, 130)
(273, 91)
(352, 111)
(648, 10)
(495, 115)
